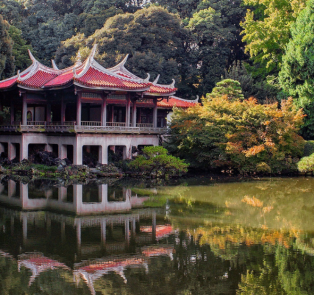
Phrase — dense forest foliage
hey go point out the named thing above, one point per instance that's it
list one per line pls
(266, 46)
(197, 42)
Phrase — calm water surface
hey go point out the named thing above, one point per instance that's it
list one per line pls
(253, 237)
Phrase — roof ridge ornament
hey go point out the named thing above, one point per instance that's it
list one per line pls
(18, 74)
(54, 66)
(78, 59)
(172, 84)
(74, 73)
(156, 80)
(124, 60)
(93, 52)
(31, 56)
(88, 62)
(147, 78)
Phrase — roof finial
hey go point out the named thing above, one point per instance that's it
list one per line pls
(122, 63)
(147, 78)
(173, 82)
(74, 72)
(31, 56)
(156, 80)
(54, 66)
(78, 59)
(93, 52)
(18, 74)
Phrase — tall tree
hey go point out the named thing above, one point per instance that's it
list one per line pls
(267, 31)
(155, 40)
(6, 59)
(297, 71)
(19, 50)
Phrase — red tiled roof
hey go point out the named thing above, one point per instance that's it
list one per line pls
(39, 79)
(8, 83)
(60, 80)
(95, 78)
(172, 101)
(161, 89)
(123, 75)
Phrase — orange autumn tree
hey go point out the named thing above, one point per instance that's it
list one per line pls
(242, 136)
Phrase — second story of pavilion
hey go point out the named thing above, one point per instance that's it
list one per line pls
(86, 97)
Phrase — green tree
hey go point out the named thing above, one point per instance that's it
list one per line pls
(251, 87)
(267, 31)
(229, 88)
(215, 29)
(153, 37)
(296, 75)
(19, 50)
(6, 59)
(237, 135)
(156, 160)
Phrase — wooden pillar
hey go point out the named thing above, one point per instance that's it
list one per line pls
(79, 108)
(134, 114)
(127, 112)
(155, 113)
(63, 106)
(12, 112)
(48, 112)
(112, 113)
(1, 110)
(140, 115)
(104, 110)
(24, 110)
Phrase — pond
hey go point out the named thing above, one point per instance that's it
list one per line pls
(198, 237)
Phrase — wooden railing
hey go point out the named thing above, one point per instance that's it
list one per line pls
(90, 123)
(145, 125)
(66, 123)
(116, 124)
(85, 127)
(36, 123)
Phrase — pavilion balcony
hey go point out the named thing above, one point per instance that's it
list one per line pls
(84, 127)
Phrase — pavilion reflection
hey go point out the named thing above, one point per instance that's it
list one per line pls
(121, 241)
(77, 198)
(79, 228)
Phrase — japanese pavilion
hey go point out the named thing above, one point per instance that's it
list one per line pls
(83, 106)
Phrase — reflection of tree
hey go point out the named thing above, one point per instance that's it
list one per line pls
(12, 281)
(286, 203)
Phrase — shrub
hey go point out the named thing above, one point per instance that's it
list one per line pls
(238, 135)
(155, 160)
(306, 164)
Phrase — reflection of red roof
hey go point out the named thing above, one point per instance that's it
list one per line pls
(95, 78)
(161, 230)
(157, 251)
(45, 261)
(91, 268)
